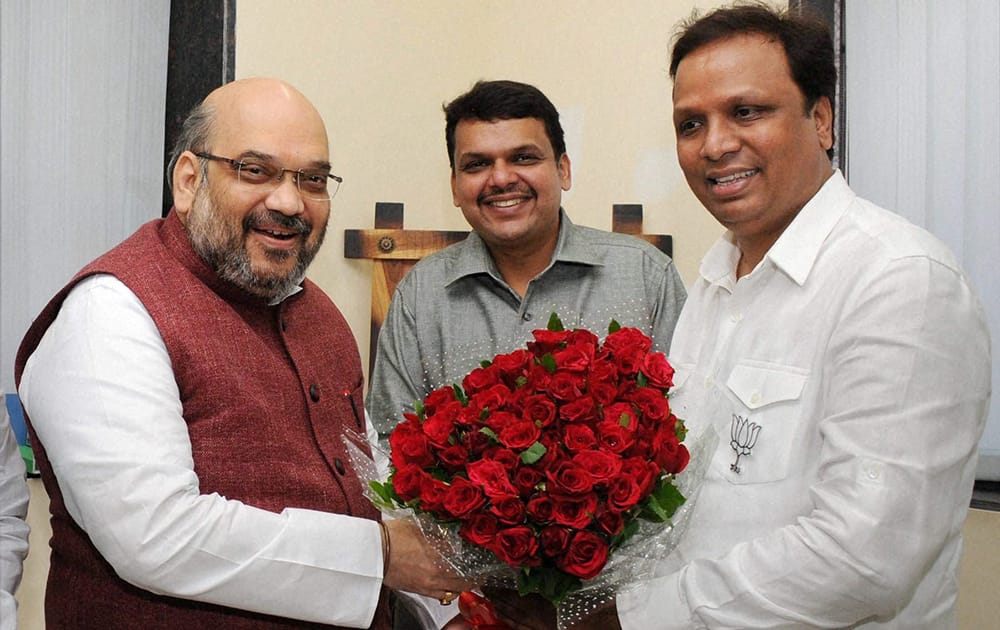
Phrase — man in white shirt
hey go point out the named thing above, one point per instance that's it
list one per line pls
(837, 350)
(13, 528)
(190, 390)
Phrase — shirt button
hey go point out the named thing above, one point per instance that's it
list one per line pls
(314, 392)
(755, 398)
(527, 317)
(735, 317)
(339, 465)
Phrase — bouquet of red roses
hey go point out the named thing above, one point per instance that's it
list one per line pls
(547, 459)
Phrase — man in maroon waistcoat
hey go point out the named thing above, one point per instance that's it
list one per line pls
(187, 394)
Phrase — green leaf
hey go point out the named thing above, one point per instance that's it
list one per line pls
(485, 363)
(614, 326)
(664, 500)
(418, 408)
(533, 453)
(488, 432)
(623, 420)
(549, 363)
(386, 494)
(460, 395)
(641, 380)
(555, 324)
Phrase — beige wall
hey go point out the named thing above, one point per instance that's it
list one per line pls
(380, 71)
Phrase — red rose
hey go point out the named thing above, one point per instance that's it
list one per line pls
(519, 434)
(437, 398)
(406, 481)
(492, 477)
(516, 546)
(547, 340)
(432, 494)
(505, 456)
(497, 420)
(409, 445)
(671, 455)
(541, 507)
(480, 529)
(602, 466)
(579, 410)
(585, 557)
(491, 399)
(574, 511)
(566, 386)
(658, 370)
(575, 357)
(513, 364)
(566, 477)
(539, 409)
(611, 522)
(454, 457)
(554, 540)
(614, 437)
(651, 402)
(509, 510)
(480, 379)
(623, 414)
(526, 479)
(578, 437)
(623, 494)
(438, 428)
(463, 497)
(628, 339)
(642, 471)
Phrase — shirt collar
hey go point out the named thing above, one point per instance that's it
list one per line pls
(797, 248)
(474, 257)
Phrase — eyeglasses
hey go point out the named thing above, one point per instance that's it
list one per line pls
(313, 184)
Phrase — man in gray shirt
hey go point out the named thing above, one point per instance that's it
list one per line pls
(523, 260)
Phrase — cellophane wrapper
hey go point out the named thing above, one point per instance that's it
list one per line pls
(632, 562)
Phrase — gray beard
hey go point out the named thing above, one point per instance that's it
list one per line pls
(224, 248)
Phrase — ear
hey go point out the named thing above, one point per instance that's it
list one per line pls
(454, 190)
(565, 172)
(187, 179)
(823, 118)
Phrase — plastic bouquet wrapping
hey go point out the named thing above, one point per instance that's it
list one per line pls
(554, 469)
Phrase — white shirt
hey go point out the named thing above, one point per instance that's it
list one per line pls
(102, 397)
(860, 350)
(13, 528)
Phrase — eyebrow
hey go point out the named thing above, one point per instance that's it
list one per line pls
(267, 157)
(512, 151)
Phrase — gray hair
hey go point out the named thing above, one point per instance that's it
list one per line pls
(194, 136)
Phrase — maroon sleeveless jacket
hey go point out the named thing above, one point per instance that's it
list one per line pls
(267, 392)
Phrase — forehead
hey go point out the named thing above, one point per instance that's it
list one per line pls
(749, 66)
(499, 136)
(283, 128)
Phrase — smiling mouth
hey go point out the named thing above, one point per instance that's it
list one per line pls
(729, 179)
(281, 236)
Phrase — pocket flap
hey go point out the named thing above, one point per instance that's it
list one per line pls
(761, 385)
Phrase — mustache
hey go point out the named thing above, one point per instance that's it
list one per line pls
(510, 188)
(273, 217)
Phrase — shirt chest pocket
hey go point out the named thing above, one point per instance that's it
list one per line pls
(759, 437)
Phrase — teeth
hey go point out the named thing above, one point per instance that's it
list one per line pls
(734, 177)
(506, 204)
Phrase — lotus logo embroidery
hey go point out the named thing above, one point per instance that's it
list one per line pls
(743, 437)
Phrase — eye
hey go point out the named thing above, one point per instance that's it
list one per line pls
(746, 112)
(313, 181)
(473, 166)
(255, 172)
(526, 158)
(687, 127)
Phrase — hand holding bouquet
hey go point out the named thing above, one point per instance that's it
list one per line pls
(549, 459)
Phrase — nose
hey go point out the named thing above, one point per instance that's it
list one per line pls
(285, 198)
(719, 139)
(501, 174)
